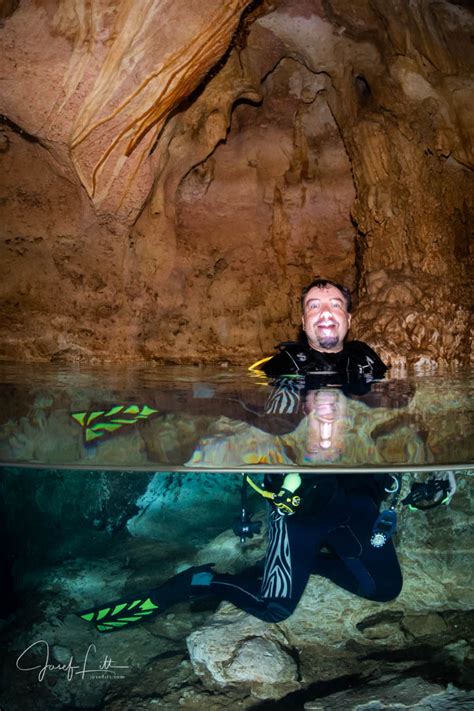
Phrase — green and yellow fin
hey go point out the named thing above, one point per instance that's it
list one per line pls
(120, 614)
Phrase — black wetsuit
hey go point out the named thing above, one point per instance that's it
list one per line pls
(355, 361)
(352, 370)
(328, 535)
(338, 513)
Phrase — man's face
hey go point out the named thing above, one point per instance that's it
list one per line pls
(325, 319)
(327, 420)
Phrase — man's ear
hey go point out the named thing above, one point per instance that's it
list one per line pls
(349, 319)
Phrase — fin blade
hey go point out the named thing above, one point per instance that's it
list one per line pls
(79, 417)
(121, 613)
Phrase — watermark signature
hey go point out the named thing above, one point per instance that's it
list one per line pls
(103, 668)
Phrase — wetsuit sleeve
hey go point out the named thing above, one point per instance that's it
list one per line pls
(375, 485)
(379, 367)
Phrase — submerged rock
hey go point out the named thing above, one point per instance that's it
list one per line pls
(238, 649)
(395, 694)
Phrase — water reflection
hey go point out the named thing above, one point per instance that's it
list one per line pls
(310, 423)
(328, 420)
(207, 419)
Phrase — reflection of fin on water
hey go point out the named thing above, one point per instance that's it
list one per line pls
(99, 423)
(187, 585)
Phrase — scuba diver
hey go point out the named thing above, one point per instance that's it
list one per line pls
(318, 525)
(322, 347)
(324, 527)
(320, 350)
(327, 525)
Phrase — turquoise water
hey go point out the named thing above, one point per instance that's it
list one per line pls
(154, 485)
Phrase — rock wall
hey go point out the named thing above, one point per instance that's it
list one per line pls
(173, 173)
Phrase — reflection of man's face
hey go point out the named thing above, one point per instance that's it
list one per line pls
(326, 417)
(325, 318)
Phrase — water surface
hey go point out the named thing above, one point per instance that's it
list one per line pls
(189, 419)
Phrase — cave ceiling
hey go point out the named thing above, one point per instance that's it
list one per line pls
(174, 172)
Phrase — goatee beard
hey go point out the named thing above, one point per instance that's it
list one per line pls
(328, 342)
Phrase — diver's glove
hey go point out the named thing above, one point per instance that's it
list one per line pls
(287, 502)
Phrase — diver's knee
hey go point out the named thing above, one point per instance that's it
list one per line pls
(276, 612)
(389, 591)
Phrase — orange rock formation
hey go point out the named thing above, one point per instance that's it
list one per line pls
(174, 172)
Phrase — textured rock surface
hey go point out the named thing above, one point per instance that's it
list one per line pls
(174, 172)
(397, 695)
(238, 649)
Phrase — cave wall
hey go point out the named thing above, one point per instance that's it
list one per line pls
(172, 174)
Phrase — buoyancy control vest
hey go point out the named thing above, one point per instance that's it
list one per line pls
(319, 492)
(355, 361)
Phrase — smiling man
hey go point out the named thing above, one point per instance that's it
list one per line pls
(326, 318)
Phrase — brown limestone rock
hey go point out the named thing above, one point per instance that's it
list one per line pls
(236, 649)
(177, 176)
(165, 58)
